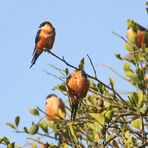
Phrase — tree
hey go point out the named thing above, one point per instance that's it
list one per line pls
(105, 118)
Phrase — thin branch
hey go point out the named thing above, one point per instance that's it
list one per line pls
(53, 75)
(121, 37)
(63, 60)
(95, 73)
(41, 111)
(115, 72)
(35, 140)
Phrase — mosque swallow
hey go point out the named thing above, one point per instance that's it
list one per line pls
(44, 40)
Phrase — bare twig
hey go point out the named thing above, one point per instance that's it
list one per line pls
(115, 72)
(53, 75)
(41, 111)
(63, 60)
(95, 73)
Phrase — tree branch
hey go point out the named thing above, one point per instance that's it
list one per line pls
(63, 60)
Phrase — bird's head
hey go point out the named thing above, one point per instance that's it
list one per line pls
(44, 24)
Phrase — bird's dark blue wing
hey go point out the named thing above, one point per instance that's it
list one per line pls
(37, 38)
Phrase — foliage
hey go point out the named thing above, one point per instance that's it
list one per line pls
(120, 122)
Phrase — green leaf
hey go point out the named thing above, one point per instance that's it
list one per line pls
(73, 133)
(127, 134)
(144, 109)
(66, 71)
(137, 123)
(34, 111)
(128, 47)
(61, 114)
(109, 139)
(81, 65)
(34, 145)
(6, 140)
(10, 124)
(118, 56)
(108, 116)
(112, 81)
(64, 145)
(92, 100)
(129, 74)
(52, 125)
(34, 129)
(61, 87)
(98, 117)
(11, 145)
(131, 35)
(17, 120)
(44, 126)
(126, 67)
(140, 99)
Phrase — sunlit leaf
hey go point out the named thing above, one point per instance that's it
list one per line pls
(61, 114)
(130, 74)
(140, 99)
(10, 124)
(108, 116)
(11, 145)
(109, 139)
(34, 129)
(44, 126)
(34, 145)
(126, 67)
(131, 35)
(6, 140)
(128, 47)
(34, 111)
(137, 123)
(72, 132)
(98, 117)
(64, 145)
(61, 87)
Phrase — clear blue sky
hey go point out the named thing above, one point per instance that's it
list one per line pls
(82, 26)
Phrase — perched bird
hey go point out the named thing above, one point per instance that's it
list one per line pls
(137, 34)
(53, 104)
(44, 40)
(78, 85)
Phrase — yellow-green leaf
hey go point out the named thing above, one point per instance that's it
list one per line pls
(10, 124)
(73, 133)
(34, 145)
(98, 117)
(128, 47)
(130, 74)
(108, 116)
(34, 129)
(109, 139)
(64, 145)
(34, 112)
(126, 67)
(140, 99)
(137, 123)
(44, 126)
(131, 35)
(11, 145)
(61, 114)
(6, 140)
